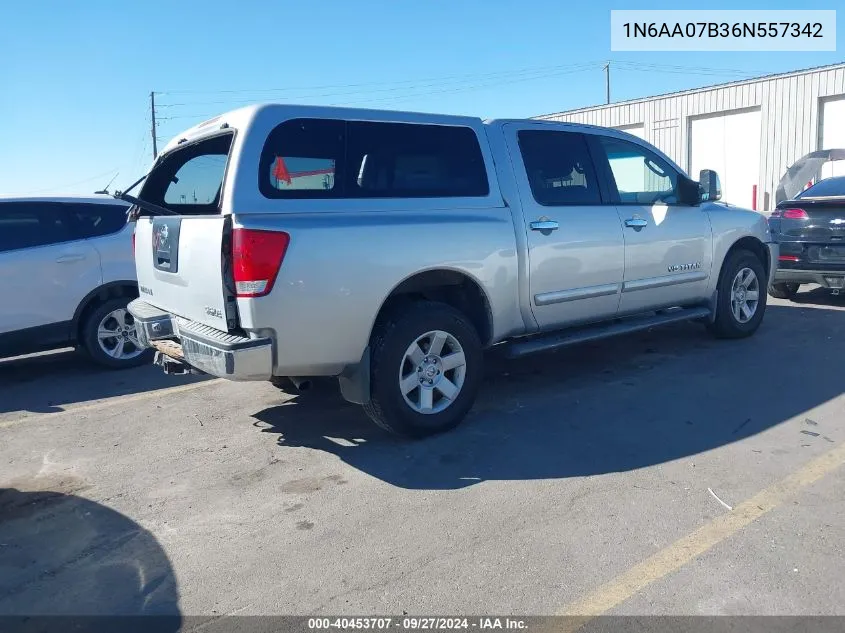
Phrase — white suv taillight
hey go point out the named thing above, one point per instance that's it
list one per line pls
(256, 259)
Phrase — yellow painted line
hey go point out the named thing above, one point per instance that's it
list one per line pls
(686, 549)
(104, 404)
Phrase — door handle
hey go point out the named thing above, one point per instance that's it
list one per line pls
(544, 225)
(66, 259)
(636, 223)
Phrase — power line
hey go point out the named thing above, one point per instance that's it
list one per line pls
(416, 88)
(399, 98)
(436, 84)
(73, 184)
(371, 83)
(686, 69)
(401, 83)
(682, 72)
(140, 150)
(505, 76)
(479, 86)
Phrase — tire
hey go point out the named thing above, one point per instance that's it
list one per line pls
(419, 324)
(107, 314)
(727, 324)
(784, 290)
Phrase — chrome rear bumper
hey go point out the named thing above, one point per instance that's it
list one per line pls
(204, 348)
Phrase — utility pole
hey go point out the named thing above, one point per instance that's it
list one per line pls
(607, 81)
(153, 123)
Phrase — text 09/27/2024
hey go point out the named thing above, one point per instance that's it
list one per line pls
(415, 623)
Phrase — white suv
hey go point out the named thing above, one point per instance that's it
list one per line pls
(66, 274)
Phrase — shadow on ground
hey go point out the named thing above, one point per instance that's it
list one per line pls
(63, 555)
(819, 296)
(611, 406)
(43, 383)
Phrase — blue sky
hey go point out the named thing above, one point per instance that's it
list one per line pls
(76, 76)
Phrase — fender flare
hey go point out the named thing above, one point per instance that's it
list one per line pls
(103, 292)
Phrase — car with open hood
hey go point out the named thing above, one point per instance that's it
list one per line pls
(809, 225)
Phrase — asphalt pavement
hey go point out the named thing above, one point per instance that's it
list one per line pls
(659, 473)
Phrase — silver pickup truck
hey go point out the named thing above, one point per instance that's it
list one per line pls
(389, 249)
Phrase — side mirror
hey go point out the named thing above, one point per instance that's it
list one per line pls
(710, 186)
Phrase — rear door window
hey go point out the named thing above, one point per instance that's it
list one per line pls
(32, 224)
(559, 168)
(96, 220)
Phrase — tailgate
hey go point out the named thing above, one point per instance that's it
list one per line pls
(179, 263)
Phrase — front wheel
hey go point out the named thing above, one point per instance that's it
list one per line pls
(426, 369)
(741, 300)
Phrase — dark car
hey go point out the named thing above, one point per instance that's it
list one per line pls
(810, 229)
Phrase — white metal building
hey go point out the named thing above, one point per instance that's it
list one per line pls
(749, 131)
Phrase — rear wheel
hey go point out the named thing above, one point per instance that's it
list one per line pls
(784, 290)
(426, 369)
(741, 300)
(109, 336)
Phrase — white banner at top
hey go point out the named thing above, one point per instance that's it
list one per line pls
(723, 30)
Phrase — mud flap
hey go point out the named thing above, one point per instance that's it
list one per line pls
(713, 304)
(354, 381)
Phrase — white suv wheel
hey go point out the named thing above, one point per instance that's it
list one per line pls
(116, 335)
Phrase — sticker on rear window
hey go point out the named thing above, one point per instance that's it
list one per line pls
(293, 172)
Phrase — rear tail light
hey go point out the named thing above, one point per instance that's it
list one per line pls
(256, 259)
(789, 258)
(133, 242)
(790, 214)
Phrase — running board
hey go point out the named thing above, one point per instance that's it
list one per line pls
(554, 340)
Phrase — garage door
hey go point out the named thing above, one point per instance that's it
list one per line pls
(832, 124)
(729, 143)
